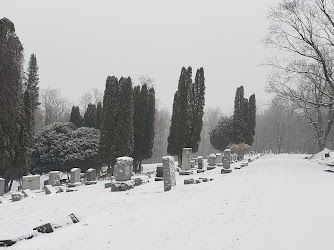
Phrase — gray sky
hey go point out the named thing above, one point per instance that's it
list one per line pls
(79, 43)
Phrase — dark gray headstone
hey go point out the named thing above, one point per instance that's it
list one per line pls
(160, 171)
(212, 160)
(189, 181)
(46, 228)
(17, 196)
(200, 162)
(75, 175)
(227, 159)
(91, 174)
(2, 186)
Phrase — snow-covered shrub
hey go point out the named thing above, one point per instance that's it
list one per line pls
(62, 146)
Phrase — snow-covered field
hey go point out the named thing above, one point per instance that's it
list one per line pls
(277, 202)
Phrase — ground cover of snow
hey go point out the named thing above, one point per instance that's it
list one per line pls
(277, 202)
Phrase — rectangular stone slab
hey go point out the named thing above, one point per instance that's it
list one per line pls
(31, 182)
(75, 175)
(2, 186)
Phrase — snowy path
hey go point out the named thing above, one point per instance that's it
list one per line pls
(277, 202)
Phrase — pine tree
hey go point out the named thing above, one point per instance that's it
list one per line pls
(149, 125)
(220, 136)
(32, 80)
(198, 102)
(90, 116)
(107, 146)
(251, 119)
(11, 61)
(238, 117)
(181, 118)
(124, 140)
(99, 115)
(76, 118)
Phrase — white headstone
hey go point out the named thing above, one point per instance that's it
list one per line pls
(212, 160)
(227, 159)
(123, 169)
(219, 159)
(2, 186)
(91, 174)
(200, 162)
(54, 178)
(168, 172)
(186, 157)
(75, 175)
(32, 182)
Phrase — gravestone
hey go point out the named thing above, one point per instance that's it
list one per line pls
(219, 159)
(186, 157)
(17, 196)
(192, 164)
(168, 172)
(123, 169)
(54, 178)
(196, 161)
(49, 189)
(2, 186)
(160, 171)
(75, 175)
(31, 182)
(212, 160)
(91, 174)
(122, 186)
(227, 159)
(200, 162)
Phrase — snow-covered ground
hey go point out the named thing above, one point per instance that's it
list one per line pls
(277, 202)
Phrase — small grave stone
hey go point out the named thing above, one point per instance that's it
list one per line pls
(54, 178)
(160, 171)
(198, 181)
(186, 172)
(212, 160)
(74, 218)
(28, 193)
(200, 170)
(75, 175)
(200, 162)
(186, 157)
(227, 159)
(168, 172)
(46, 228)
(204, 179)
(249, 160)
(49, 189)
(196, 161)
(138, 181)
(2, 186)
(70, 190)
(219, 159)
(91, 174)
(159, 178)
(226, 171)
(210, 167)
(326, 155)
(31, 182)
(59, 190)
(123, 169)
(107, 185)
(189, 181)
(46, 182)
(122, 186)
(17, 196)
(192, 164)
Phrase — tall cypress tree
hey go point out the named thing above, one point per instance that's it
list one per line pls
(99, 115)
(140, 109)
(90, 116)
(75, 117)
(32, 80)
(198, 102)
(251, 119)
(149, 125)
(107, 145)
(11, 61)
(185, 114)
(124, 140)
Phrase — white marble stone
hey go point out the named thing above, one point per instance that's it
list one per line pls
(227, 159)
(123, 169)
(32, 182)
(54, 178)
(75, 175)
(186, 157)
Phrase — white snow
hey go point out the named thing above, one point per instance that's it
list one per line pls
(277, 202)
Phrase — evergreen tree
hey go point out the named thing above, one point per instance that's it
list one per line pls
(107, 145)
(32, 80)
(198, 102)
(251, 119)
(90, 116)
(11, 61)
(124, 140)
(140, 108)
(99, 115)
(186, 124)
(76, 118)
(220, 136)
(149, 125)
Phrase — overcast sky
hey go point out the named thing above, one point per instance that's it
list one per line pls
(79, 43)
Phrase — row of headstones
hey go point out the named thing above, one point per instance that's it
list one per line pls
(32, 182)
